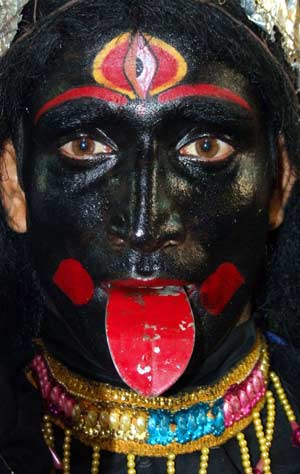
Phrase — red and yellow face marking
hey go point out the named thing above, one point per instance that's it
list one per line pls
(108, 66)
(202, 90)
(138, 66)
(93, 92)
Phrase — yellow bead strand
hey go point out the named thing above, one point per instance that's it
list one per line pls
(271, 414)
(171, 469)
(48, 432)
(204, 461)
(95, 460)
(283, 398)
(131, 464)
(245, 455)
(67, 452)
(264, 449)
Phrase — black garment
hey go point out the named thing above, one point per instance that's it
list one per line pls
(22, 449)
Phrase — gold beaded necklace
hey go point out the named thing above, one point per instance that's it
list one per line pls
(120, 421)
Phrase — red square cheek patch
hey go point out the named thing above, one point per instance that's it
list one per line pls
(150, 331)
(74, 281)
(219, 288)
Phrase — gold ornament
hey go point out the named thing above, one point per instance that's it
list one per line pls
(119, 420)
(96, 392)
(283, 15)
(264, 439)
(269, 15)
(10, 16)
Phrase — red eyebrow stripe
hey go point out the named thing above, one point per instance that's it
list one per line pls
(80, 92)
(207, 90)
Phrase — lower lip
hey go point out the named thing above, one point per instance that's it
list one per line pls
(151, 283)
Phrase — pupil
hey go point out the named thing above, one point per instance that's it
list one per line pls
(83, 144)
(139, 67)
(206, 146)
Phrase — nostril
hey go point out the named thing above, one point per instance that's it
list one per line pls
(117, 231)
(116, 239)
(171, 243)
(118, 222)
(140, 240)
(152, 241)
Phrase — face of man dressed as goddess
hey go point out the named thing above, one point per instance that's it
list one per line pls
(149, 197)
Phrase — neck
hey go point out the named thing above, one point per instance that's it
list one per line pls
(123, 422)
(222, 407)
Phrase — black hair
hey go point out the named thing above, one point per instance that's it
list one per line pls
(218, 31)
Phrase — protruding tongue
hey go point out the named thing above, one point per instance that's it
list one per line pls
(151, 334)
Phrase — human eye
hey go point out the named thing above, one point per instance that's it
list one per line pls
(207, 149)
(85, 147)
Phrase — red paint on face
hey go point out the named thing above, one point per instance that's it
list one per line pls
(151, 336)
(93, 92)
(138, 66)
(147, 283)
(167, 69)
(74, 281)
(112, 67)
(202, 90)
(218, 289)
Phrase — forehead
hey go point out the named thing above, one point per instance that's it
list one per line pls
(138, 66)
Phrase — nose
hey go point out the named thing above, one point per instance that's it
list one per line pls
(147, 219)
(145, 237)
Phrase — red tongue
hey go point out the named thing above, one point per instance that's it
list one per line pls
(151, 335)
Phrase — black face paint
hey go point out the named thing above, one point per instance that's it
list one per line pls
(174, 192)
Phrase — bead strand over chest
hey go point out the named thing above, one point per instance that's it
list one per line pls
(120, 421)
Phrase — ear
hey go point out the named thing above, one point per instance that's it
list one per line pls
(12, 196)
(285, 183)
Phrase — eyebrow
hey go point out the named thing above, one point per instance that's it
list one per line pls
(203, 90)
(177, 92)
(79, 93)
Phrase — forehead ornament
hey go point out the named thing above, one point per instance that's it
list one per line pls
(281, 15)
(269, 15)
(138, 66)
(10, 16)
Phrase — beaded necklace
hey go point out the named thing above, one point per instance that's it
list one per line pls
(121, 421)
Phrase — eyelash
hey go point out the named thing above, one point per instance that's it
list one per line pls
(186, 150)
(207, 148)
(98, 138)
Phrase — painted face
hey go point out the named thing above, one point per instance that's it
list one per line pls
(146, 174)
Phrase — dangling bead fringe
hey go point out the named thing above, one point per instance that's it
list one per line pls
(95, 460)
(283, 398)
(270, 425)
(67, 452)
(264, 449)
(171, 469)
(48, 432)
(288, 409)
(131, 464)
(265, 441)
(49, 440)
(204, 461)
(245, 455)
(265, 438)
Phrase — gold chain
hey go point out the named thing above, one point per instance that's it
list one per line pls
(264, 438)
(98, 392)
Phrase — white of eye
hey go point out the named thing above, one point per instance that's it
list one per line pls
(207, 149)
(85, 147)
